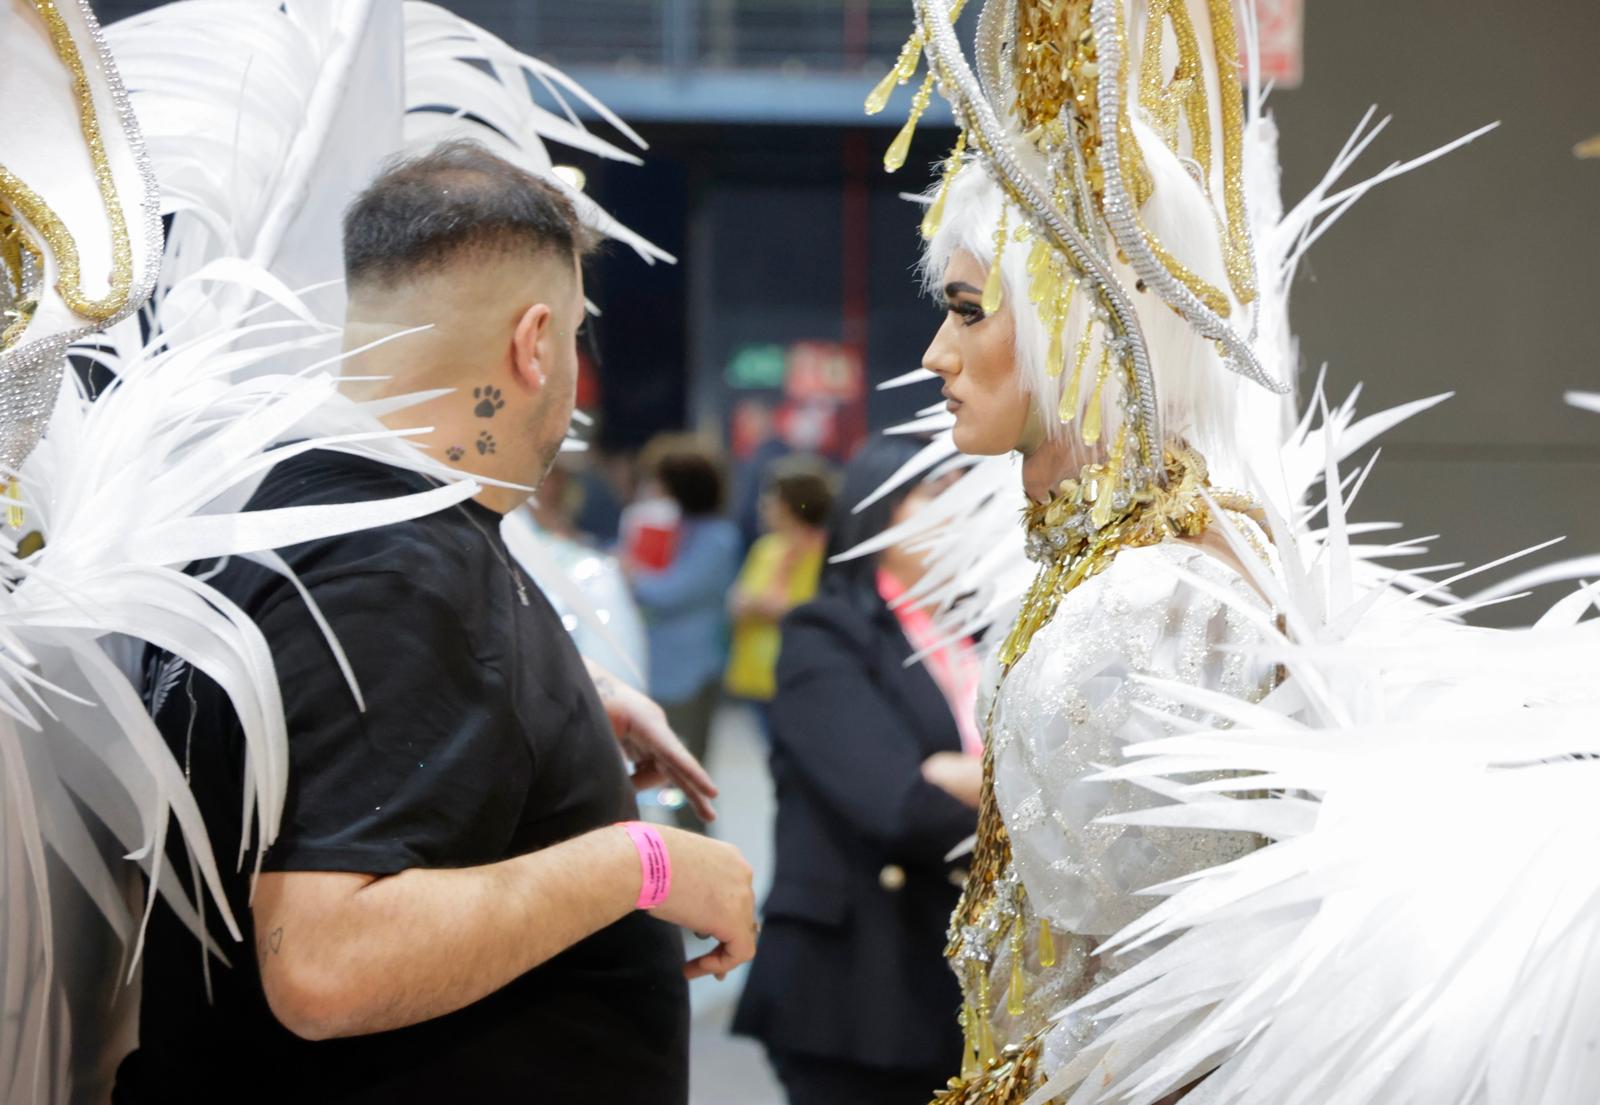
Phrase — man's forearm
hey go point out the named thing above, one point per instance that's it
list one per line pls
(345, 955)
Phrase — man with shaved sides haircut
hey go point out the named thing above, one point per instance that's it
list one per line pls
(460, 905)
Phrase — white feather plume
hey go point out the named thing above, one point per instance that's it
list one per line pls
(124, 491)
(262, 119)
(1420, 929)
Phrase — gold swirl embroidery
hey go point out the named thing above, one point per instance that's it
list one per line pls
(17, 199)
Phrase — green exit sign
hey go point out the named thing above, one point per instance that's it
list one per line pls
(757, 366)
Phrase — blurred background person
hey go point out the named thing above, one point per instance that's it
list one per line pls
(680, 578)
(780, 573)
(876, 784)
(569, 566)
(753, 474)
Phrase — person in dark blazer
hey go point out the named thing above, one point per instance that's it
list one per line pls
(877, 780)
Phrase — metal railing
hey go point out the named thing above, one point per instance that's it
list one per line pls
(825, 36)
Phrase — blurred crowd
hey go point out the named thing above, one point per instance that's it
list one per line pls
(712, 582)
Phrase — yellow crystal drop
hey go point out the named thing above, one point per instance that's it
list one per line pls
(1055, 361)
(1101, 514)
(895, 156)
(1069, 401)
(1036, 256)
(1014, 1004)
(1092, 414)
(991, 289)
(14, 515)
(1047, 945)
(991, 286)
(969, 1048)
(985, 1035)
(935, 215)
(901, 146)
(906, 64)
(1042, 291)
(878, 98)
(1014, 993)
(901, 72)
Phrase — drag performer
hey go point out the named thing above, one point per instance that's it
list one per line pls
(122, 477)
(1109, 246)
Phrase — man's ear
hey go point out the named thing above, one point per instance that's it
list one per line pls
(529, 346)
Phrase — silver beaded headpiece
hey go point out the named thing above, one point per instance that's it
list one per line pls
(1114, 130)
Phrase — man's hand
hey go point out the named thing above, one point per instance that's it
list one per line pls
(713, 894)
(659, 757)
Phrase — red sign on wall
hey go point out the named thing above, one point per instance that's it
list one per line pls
(1282, 27)
(824, 370)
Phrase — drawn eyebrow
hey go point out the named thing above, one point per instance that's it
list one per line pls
(956, 287)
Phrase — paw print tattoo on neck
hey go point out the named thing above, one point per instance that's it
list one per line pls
(455, 452)
(485, 444)
(490, 401)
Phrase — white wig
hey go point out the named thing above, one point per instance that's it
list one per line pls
(1234, 423)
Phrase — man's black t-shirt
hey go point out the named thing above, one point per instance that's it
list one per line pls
(481, 739)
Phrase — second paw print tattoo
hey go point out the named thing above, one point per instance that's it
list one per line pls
(490, 400)
(455, 452)
(485, 444)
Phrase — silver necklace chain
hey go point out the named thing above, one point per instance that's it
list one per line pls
(514, 573)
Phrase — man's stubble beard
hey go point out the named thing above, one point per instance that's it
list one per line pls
(547, 461)
(549, 449)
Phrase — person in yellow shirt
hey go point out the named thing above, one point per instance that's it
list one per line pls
(780, 573)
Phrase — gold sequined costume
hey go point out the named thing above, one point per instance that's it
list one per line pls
(1100, 174)
(1417, 918)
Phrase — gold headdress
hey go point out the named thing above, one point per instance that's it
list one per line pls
(1084, 112)
(80, 223)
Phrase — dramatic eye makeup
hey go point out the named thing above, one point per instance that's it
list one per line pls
(969, 311)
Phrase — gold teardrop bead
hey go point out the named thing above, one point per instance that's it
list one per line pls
(969, 1050)
(878, 98)
(1014, 994)
(1069, 401)
(934, 219)
(895, 156)
(1092, 413)
(901, 146)
(1042, 290)
(991, 289)
(14, 514)
(934, 216)
(904, 67)
(1036, 256)
(986, 1054)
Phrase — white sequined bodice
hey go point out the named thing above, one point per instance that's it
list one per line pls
(1087, 687)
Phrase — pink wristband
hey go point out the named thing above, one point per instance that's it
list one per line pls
(654, 862)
